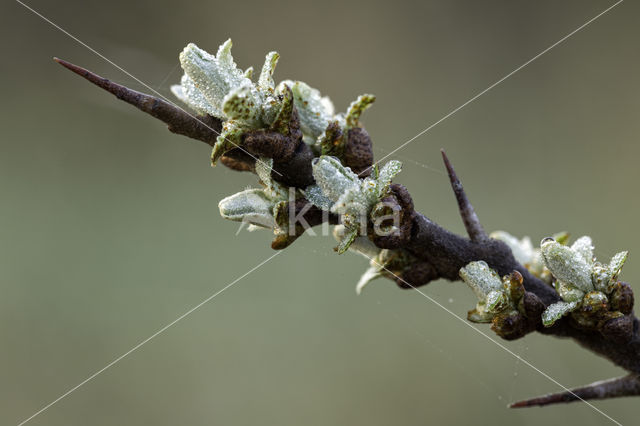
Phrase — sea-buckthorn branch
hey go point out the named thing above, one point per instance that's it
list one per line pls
(416, 250)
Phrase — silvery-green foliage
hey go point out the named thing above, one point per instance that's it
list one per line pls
(605, 276)
(579, 277)
(213, 84)
(342, 192)
(556, 311)
(583, 246)
(492, 292)
(383, 177)
(333, 179)
(257, 206)
(249, 206)
(569, 264)
(211, 81)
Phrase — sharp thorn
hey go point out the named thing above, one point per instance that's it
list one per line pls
(203, 128)
(603, 389)
(468, 214)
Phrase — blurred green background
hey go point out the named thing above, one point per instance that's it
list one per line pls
(110, 230)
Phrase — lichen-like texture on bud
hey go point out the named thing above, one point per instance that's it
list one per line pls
(341, 191)
(589, 290)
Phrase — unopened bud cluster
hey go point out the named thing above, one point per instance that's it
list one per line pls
(503, 302)
(590, 292)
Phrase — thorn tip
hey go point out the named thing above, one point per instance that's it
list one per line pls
(604, 389)
(179, 121)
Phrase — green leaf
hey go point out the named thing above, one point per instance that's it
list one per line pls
(616, 264)
(228, 139)
(496, 301)
(315, 196)
(332, 141)
(556, 311)
(188, 93)
(349, 237)
(356, 109)
(213, 76)
(265, 81)
(567, 264)
(568, 292)
(386, 175)
(242, 104)
(584, 247)
(250, 206)
(481, 279)
(333, 178)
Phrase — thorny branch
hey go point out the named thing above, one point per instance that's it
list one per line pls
(438, 252)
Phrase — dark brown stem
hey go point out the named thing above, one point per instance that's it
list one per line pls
(604, 389)
(468, 214)
(449, 252)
